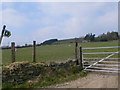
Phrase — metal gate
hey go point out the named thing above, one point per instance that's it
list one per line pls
(108, 63)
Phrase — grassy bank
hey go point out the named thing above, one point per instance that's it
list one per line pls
(50, 78)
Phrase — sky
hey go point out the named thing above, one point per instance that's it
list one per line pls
(40, 21)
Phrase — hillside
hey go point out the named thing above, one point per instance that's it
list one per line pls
(109, 36)
(72, 40)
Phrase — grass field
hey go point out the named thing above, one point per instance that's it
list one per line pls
(56, 53)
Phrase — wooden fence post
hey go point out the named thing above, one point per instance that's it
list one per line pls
(34, 51)
(13, 51)
(81, 57)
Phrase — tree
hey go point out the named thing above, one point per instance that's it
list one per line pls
(90, 37)
(108, 36)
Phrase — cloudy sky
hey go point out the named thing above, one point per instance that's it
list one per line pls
(41, 21)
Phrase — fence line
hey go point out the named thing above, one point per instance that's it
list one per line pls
(78, 55)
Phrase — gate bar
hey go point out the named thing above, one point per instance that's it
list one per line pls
(101, 53)
(105, 68)
(103, 71)
(102, 47)
(105, 61)
(100, 58)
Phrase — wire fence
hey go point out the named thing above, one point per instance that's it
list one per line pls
(46, 53)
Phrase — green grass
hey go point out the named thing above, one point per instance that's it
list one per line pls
(56, 53)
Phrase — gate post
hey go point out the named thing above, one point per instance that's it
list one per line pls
(76, 52)
(81, 57)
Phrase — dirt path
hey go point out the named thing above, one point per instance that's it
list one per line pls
(92, 80)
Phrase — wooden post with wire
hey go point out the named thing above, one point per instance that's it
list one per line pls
(13, 51)
(34, 51)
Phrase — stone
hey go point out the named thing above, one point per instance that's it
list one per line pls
(19, 72)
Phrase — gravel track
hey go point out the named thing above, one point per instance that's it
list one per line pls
(92, 80)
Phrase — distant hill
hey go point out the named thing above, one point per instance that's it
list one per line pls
(72, 40)
(90, 37)
(109, 36)
(56, 41)
(49, 42)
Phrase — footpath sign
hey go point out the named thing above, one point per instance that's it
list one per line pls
(5, 33)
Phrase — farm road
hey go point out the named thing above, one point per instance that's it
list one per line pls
(92, 80)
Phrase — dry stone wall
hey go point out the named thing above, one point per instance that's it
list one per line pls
(19, 72)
